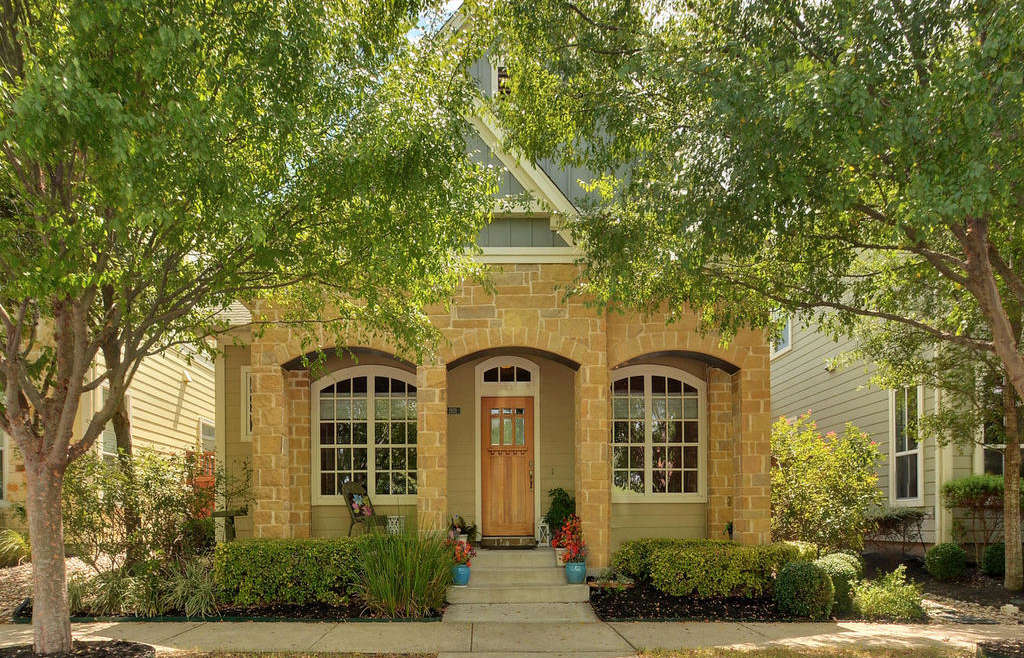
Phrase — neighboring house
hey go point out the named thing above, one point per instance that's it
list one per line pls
(656, 429)
(912, 472)
(170, 406)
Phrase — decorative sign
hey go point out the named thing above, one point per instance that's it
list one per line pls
(454, 411)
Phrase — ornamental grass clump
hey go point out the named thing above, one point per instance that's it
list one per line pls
(890, 598)
(405, 574)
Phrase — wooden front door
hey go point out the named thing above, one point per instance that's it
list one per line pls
(507, 466)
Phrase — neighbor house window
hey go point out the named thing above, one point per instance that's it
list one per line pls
(207, 435)
(108, 439)
(657, 433)
(906, 462)
(782, 344)
(246, 404)
(994, 450)
(366, 424)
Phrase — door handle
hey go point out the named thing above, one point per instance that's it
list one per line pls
(531, 474)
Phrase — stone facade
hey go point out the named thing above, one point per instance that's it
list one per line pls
(527, 310)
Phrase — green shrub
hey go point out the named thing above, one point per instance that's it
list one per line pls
(804, 589)
(993, 562)
(255, 572)
(822, 486)
(563, 505)
(190, 588)
(901, 525)
(945, 561)
(841, 570)
(979, 499)
(855, 562)
(633, 558)
(806, 551)
(14, 548)
(709, 568)
(404, 575)
(891, 598)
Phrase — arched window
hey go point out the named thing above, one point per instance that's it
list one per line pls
(658, 434)
(365, 421)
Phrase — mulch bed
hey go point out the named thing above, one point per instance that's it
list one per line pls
(317, 612)
(973, 586)
(644, 602)
(1001, 649)
(108, 649)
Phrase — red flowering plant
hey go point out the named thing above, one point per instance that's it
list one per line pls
(575, 550)
(463, 553)
(571, 531)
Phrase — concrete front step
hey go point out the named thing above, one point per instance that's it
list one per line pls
(498, 576)
(511, 613)
(514, 559)
(519, 594)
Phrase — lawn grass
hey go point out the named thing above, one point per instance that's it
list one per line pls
(290, 654)
(778, 652)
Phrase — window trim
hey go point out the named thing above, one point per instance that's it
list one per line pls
(203, 420)
(919, 499)
(371, 466)
(701, 495)
(787, 330)
(131, 422)
(245, 409)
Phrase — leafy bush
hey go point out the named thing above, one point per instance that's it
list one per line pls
(822, 487)
(255, 572)
(633, 558)
(14, 548)
(843, 573)
(902, 525)
(403, 575)
(806, 551)
(119, 592)
(562, 507)
(711, 568)
(890, 598)
(993, 563)
(979, 500)
(946, 561)
(139, 514)
(855, 562)
(804, 589)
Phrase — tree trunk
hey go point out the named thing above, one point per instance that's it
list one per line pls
(50, 616)
(123, 434)
(1014, 577)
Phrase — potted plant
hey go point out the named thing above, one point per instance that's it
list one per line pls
(460, 530)
(562, 506)
(570, 531)
(462, 554)
(575, 561)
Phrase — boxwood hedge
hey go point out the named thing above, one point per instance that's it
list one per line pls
(705, 568)
(256, 572)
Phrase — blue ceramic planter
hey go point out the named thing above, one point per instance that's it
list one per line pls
(460, 575)
(575, 572)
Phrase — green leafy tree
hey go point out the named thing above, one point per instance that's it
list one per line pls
(841, 160)
(160, 161)
(822, 486)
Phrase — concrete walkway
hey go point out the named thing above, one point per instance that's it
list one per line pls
(531, 639)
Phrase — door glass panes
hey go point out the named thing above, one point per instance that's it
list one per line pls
(508, 426)
(495, 427)
(520, 421)
(655, 435)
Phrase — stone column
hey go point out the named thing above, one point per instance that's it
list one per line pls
(299, 419)
(270, 462)
(722, 430)
(432, 446)
(751, 500)
(593, 461)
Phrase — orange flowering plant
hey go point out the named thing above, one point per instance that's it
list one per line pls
(463, 553)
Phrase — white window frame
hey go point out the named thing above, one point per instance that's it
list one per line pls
(245, 412)
(371, 465)
(206, 421)
(700, 496)
(105, 390)
(787, 331)
(919, 450)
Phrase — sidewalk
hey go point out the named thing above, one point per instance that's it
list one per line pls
(538, 640)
